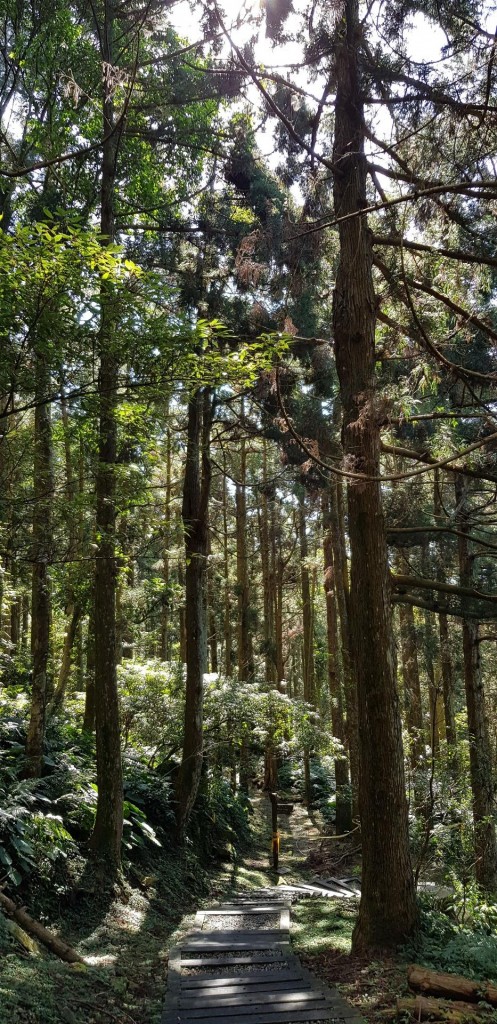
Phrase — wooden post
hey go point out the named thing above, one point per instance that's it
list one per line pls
(274, 824)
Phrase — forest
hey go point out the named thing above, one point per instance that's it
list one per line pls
(248, 473)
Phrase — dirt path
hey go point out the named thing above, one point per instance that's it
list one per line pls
(237, 963)
(237, 966)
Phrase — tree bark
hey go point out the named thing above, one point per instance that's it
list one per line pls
(388, 910)
(481, 767)
(196, 490)
(52, 942)
(166, 599)
(278, 570)
(421, 1008)
(343, 806)
(245, 657)
(453, 986)
(307, 635)
(40, 602)
(307, 609)
(447, 681)
(430, 652)
(412, 687)
(443, 634)
(337, 525)
(107, 831)
(267, 573)
(89, 715)
(74, 608)
(228, 654)
(65, 665)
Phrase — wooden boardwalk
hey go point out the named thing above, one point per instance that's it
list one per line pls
(238, 966)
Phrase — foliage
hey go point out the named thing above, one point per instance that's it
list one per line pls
(322, 792)
(460, 938)
(220, 822)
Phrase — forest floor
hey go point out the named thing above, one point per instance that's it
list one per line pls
(124, 937)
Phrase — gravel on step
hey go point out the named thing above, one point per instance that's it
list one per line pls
(236, 969)
(221, 954)
(241, 922)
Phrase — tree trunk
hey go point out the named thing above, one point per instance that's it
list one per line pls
(166, 599)
(343, 815)
(447, 681)
(337, 527)
(278, 570)
(422, 1008)
(388, 910)
(40, 603)
(196, 489)
(268, 553)
(89, 715)
(307, 609)
(74, 608)
(267, 573)
(307, 636)
(107, 831)
(412, 687)
(480, 752)
(52, 942)
(245, 658)
(451, 985)
(228, 662)
(443, 632)
(210, 593)
(65, 665)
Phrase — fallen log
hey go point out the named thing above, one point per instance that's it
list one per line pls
(32, 927)
(453, 986)
(422, 1008)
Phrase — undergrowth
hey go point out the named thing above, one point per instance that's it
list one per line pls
(458, 937)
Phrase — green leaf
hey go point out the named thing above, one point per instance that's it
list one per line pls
(23, 847)
(5, 857)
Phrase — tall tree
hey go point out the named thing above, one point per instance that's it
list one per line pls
(42, 539)
(481, 760)
(107, 830)
(388, 909)
(195, 509)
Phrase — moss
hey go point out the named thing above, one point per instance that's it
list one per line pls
(318, 925)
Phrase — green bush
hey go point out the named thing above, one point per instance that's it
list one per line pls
(220, 819)
(460, 938)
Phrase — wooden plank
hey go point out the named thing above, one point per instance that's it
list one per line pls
(264, 1017)
(255, 990)
(249, 908)
(273, 956)
(211, 941)
(257, 978)
(201, 999)
(246, 1009)
(269, 934)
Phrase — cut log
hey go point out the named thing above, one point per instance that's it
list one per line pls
(422, 1008)
(453, 986)
(22, 937)
(32, 927)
